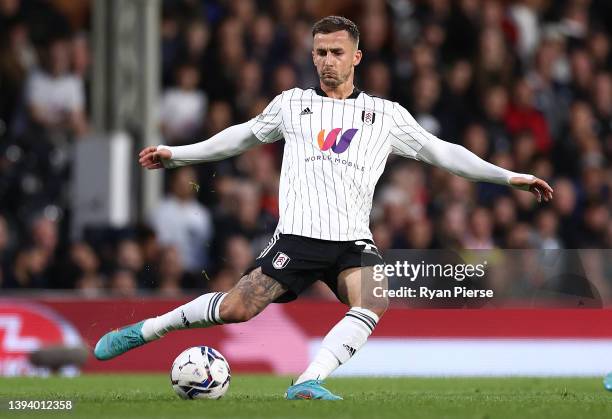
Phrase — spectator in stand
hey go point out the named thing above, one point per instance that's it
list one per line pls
(81, 56)
(170, 42)
(283, 78)
(521, 115)
(495, 105)
(45, 235)
(505, 217)
(602, 103)
(249, 87)
(238, 255)
(494, 64)
(258, 164)
(224, 70)
(596, 219)
(197, 39)
(459, 101)
(547, 225)
(220, 116)
(183, 107)
(83, 269)
(27, 270)
(425, 100)
(180, 220)
(592, 177)
(123, 284)
(582, 73)
(375, 36)
(480, 233)
(129, 257)
(245, 218)
(420, 235)
(378, 79)
(565, 204)
(576, 139)
(16, 58)
(453, 227)
(521, 237)
(45, 238)
(475, 139)
(55, 97)
(262, 39)
(172, 276)
(151, 251)
(549, 95)
(524, 149)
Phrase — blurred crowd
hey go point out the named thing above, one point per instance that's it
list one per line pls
(525, 84)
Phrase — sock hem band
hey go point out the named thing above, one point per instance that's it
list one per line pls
(365, 317)
(215, 305)
(361, 319)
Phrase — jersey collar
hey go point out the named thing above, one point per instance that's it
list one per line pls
(353, 95)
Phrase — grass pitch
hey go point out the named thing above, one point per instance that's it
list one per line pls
(261, 396)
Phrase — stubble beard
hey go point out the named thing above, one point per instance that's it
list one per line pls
(334, 82)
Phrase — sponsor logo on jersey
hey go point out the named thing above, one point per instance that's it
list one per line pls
(325, 143)
(335, 160)
(280, 260)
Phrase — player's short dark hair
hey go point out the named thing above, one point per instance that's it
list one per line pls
(331, 24)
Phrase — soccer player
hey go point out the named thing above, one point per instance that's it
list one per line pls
(337, 140)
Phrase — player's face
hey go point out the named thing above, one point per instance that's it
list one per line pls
(335, 55)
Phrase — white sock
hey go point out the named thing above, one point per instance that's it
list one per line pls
(201, 312)
(341, 343)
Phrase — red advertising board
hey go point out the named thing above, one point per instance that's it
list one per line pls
(284, 338)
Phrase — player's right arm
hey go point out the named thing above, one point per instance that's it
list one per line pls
(266, 128)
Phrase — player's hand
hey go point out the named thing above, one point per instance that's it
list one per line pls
(151, 158)
(536, 186)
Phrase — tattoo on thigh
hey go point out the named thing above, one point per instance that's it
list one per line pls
(258, 290)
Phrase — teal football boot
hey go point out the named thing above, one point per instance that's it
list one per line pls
(119, 341)
(310, 390)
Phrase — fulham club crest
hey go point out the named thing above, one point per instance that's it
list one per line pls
(368, 117)
(280, 260)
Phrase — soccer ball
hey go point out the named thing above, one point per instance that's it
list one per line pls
(200, 373)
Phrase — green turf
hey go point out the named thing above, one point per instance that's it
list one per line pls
(252, 396)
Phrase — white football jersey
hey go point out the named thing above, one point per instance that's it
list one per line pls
(335, 152)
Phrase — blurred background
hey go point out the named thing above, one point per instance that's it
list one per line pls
(84, 84)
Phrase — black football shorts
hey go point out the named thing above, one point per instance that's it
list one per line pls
(297, 262)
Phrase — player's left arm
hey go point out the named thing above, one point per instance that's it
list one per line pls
(462, 162)
(412, 140)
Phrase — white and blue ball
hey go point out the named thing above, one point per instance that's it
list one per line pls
(200, 372)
